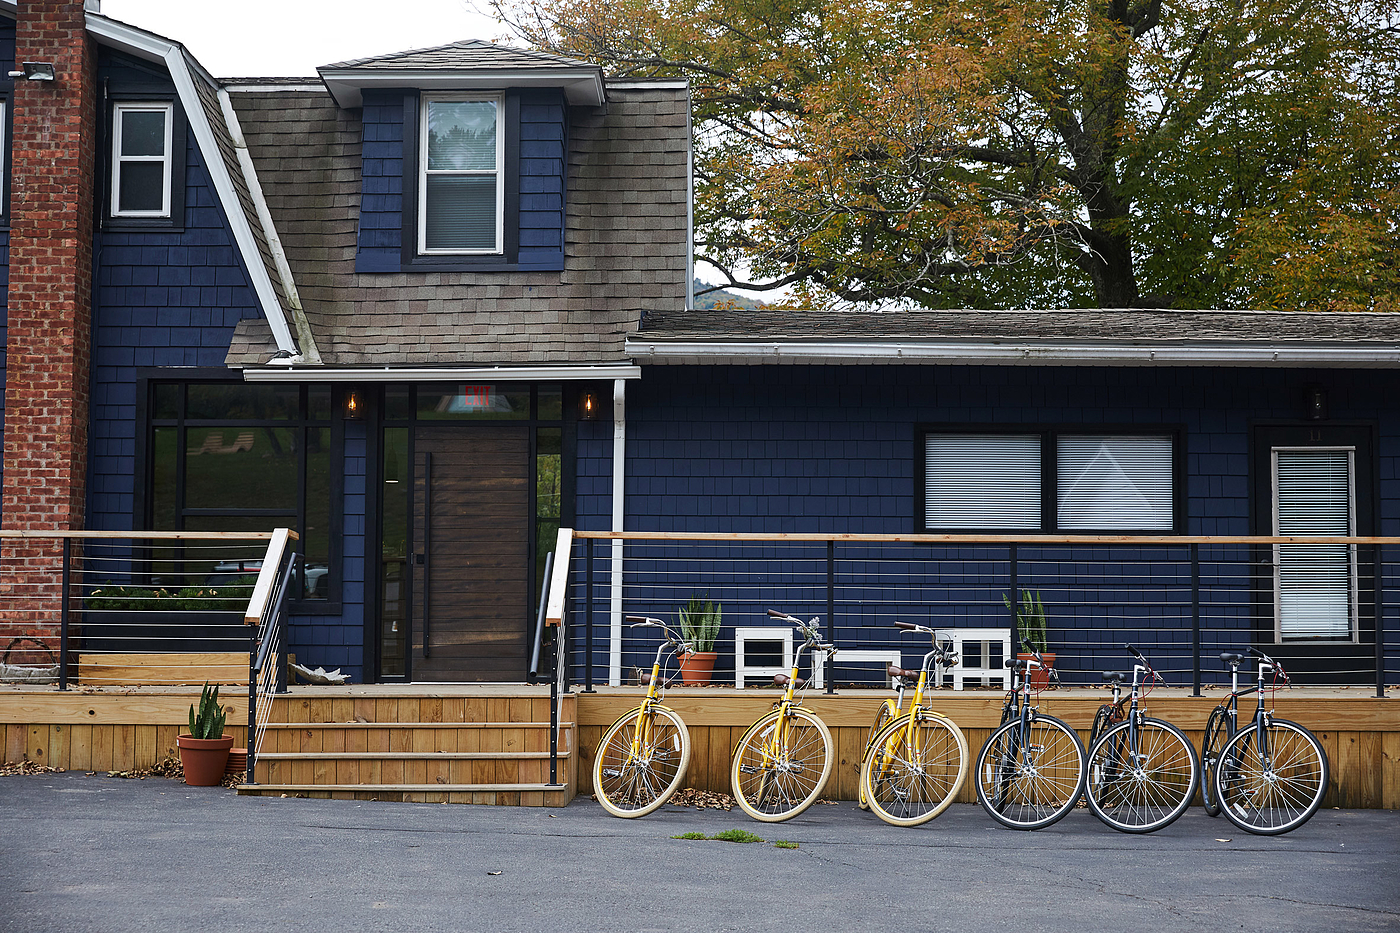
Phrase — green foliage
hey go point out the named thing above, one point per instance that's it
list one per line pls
(1030, 619)
(690, 836)
(736, 835)
(229, 597)
(785, 844)
(700, 620)
(208, 721)
(1035, 153)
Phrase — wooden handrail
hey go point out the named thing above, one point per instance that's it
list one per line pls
(559, 582)
(145, 535)
(1031, 540)
(267, 575)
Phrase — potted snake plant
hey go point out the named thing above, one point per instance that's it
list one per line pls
(204, 749)
(699, 620)
(1031, 625)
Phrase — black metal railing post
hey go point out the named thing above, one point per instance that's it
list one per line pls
(254, 652)
(554, 713)
(588, 617)
(1015, 606)
(1380, 620)
(828, 659)
(1195, 620)
(63, 617)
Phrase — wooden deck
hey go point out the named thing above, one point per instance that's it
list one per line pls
(488, 743)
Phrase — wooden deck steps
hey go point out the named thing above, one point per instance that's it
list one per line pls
(491, 749)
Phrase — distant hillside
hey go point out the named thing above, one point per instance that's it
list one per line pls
(726, 300)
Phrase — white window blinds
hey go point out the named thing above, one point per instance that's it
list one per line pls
(1114, 482)
(982, 481)
(1314, 583)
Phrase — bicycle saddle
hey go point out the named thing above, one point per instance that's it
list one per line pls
(644, 677)
(900, 672)
(1114, 677)
(781, 680)
(1231, 657)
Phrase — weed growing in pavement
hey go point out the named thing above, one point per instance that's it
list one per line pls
(785, 844)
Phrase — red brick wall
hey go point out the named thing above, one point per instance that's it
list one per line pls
(50, 312)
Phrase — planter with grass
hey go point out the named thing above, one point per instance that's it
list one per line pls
(1031, 624)
(204, 749)
(699, 621)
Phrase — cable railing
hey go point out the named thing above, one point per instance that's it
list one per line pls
(132, 608)
(549, 644)
(1181, 599)
(267, 672)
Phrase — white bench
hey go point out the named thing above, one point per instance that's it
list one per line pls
(974, 648)
(743, 634)
(884, 656)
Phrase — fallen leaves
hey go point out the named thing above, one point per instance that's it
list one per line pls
(698, 799)
(26, 766)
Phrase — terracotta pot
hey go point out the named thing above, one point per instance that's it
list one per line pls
(1040, 676)
(204, 760)
(697, 667)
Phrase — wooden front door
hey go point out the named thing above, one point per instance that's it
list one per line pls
(471, 554)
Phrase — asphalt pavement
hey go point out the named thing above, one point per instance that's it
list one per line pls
(94, 853)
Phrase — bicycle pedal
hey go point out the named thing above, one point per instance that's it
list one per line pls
(611, 772)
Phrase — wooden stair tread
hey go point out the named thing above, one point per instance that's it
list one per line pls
(404, 788)
(405, 756)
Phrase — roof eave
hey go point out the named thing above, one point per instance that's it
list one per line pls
(671, 351)
(582, 86)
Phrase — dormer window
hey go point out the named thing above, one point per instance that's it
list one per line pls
(460, 194)
(141, 159)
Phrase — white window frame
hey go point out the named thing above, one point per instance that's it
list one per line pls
(168, 159)
(1353, 584)
(498, 173)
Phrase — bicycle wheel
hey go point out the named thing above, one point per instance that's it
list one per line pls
(914, 769)
(1143, 783)
(777, 773)
(632, 784)
(1274, 790)
(1210, 751)
(1030, 779)
(882, 719)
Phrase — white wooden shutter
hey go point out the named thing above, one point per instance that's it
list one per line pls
(1314, 584)
(982, 481)
(1114, 482)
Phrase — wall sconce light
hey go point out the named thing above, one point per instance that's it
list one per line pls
(354, 405)
(35, 71)
(1315, 402)
(588, 405)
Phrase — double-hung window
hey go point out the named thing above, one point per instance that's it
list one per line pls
(1315, 585)
(460, 191)
(1072, 481)
(142, 159)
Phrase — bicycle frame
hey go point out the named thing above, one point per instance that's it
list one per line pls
(641, 735)
(778, 739)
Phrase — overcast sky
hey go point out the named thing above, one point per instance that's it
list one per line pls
(290, 38)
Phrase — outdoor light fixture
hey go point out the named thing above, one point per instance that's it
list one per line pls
(35, 71)
(588, 405)
(354, 405)
(1316, 403)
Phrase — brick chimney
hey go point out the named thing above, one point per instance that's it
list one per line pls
(49, 345)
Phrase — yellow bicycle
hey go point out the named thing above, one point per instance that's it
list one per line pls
(782, 762)
(643, 756)
(914, 765)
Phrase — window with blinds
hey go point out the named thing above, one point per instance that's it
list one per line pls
(1314, 584)
(1114, 483)
(982, 481)
(1070, 482)
(460, 191)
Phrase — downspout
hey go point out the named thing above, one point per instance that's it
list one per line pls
(618, 511)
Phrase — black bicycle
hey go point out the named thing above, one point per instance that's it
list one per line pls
(1268, 777)
(1030, 771)
(1142, 771)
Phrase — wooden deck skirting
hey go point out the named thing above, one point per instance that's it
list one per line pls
(134, 728)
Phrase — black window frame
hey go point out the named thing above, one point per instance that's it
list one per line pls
(143, 485)
(7, 88)
(1049, 473)
(508, 259)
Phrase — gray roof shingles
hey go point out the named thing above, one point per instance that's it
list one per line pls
(465, 55)
(626, 243)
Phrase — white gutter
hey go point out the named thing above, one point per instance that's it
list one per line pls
(274, 243)
(1039, 353)
(616, 371)
(152, 48)
(619, 454)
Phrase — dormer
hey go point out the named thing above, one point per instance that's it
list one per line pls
(465, 155)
